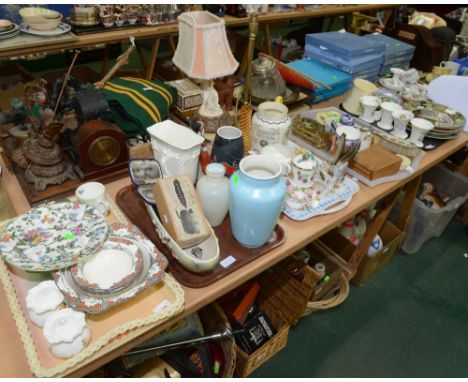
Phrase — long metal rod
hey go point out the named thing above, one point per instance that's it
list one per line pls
(190, 342)
(253, 29)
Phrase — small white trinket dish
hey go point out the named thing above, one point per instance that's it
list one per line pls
(42, 301)
(66, 332)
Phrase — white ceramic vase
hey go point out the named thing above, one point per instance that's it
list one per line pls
(271, 124)
(176, 148)
(213, 191)
(419, 128)
(369, 105)
(400, 121)
(386, 121)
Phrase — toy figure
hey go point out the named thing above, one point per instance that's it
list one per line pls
(225, 88)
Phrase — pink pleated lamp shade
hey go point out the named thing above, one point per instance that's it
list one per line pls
(203, 51)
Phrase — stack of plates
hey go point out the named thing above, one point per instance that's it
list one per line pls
(12, 31)
(61, 29)
(127, 265)
(447, 122)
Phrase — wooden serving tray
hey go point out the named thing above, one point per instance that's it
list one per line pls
(133, 206)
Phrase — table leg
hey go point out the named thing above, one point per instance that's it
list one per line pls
(385, 206)
(153, 57)
(105, 59)
(411, 190)
(140, 55)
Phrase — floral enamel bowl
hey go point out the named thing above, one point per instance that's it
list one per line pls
(116, 266)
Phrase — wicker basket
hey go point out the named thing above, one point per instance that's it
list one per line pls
(214, 320)
(285, 290)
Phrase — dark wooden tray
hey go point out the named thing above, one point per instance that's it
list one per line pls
(133, 206)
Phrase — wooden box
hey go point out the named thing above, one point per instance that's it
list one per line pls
(375, 162)
(391, 237)
(285, 290)
(189, 95)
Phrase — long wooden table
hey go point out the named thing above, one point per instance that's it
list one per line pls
(50, 45)
(13, 362)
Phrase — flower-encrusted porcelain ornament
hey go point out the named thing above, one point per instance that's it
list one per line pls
(66, 332)
(42, 301)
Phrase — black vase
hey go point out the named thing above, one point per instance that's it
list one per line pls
(228, 148)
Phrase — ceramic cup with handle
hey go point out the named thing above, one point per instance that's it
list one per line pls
(453, 66)
(386, 121)
(438, 71)
(93, 194)
(400, 121)
(369, 105)
(419, 128)
(303, 170)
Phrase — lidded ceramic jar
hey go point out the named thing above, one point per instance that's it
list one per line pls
(256, 196)
(213, 191)
(66, 332)
(271, 124)
(42, 301)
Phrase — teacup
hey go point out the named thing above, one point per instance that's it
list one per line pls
(107, 20)
(386, 121)
(369, 105)
(453, 66)
(303, 170)
(438, 71)
(419, 128)
(119, 19)
(93, 194)
(400, 121)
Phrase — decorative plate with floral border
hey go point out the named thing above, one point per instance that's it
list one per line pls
(116, 243)
(52, 236)
(154, 265)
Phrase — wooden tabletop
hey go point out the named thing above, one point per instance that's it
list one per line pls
(116, 35)
(13, 362)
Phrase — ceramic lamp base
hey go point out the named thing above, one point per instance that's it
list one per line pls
(212, 123)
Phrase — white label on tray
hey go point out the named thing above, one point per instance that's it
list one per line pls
(163, 305)
(227, 261)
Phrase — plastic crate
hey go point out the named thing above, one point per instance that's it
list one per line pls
(425, 223)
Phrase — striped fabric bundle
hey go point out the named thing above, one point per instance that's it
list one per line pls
(137, 104)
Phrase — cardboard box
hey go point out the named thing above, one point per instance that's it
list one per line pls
(180, 210)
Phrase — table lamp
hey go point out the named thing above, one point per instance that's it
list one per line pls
(203, 53)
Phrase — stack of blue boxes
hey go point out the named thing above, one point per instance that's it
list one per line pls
(352, 54)
(338, 81)
(398, 54)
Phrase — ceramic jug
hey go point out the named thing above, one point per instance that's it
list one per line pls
(213, 190)
(360, 89)
(256, 195)
(271, 124)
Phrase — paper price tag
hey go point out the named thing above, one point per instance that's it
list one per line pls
(227, 261)
(161, 306)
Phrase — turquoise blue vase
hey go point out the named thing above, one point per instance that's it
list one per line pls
(256, 195)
